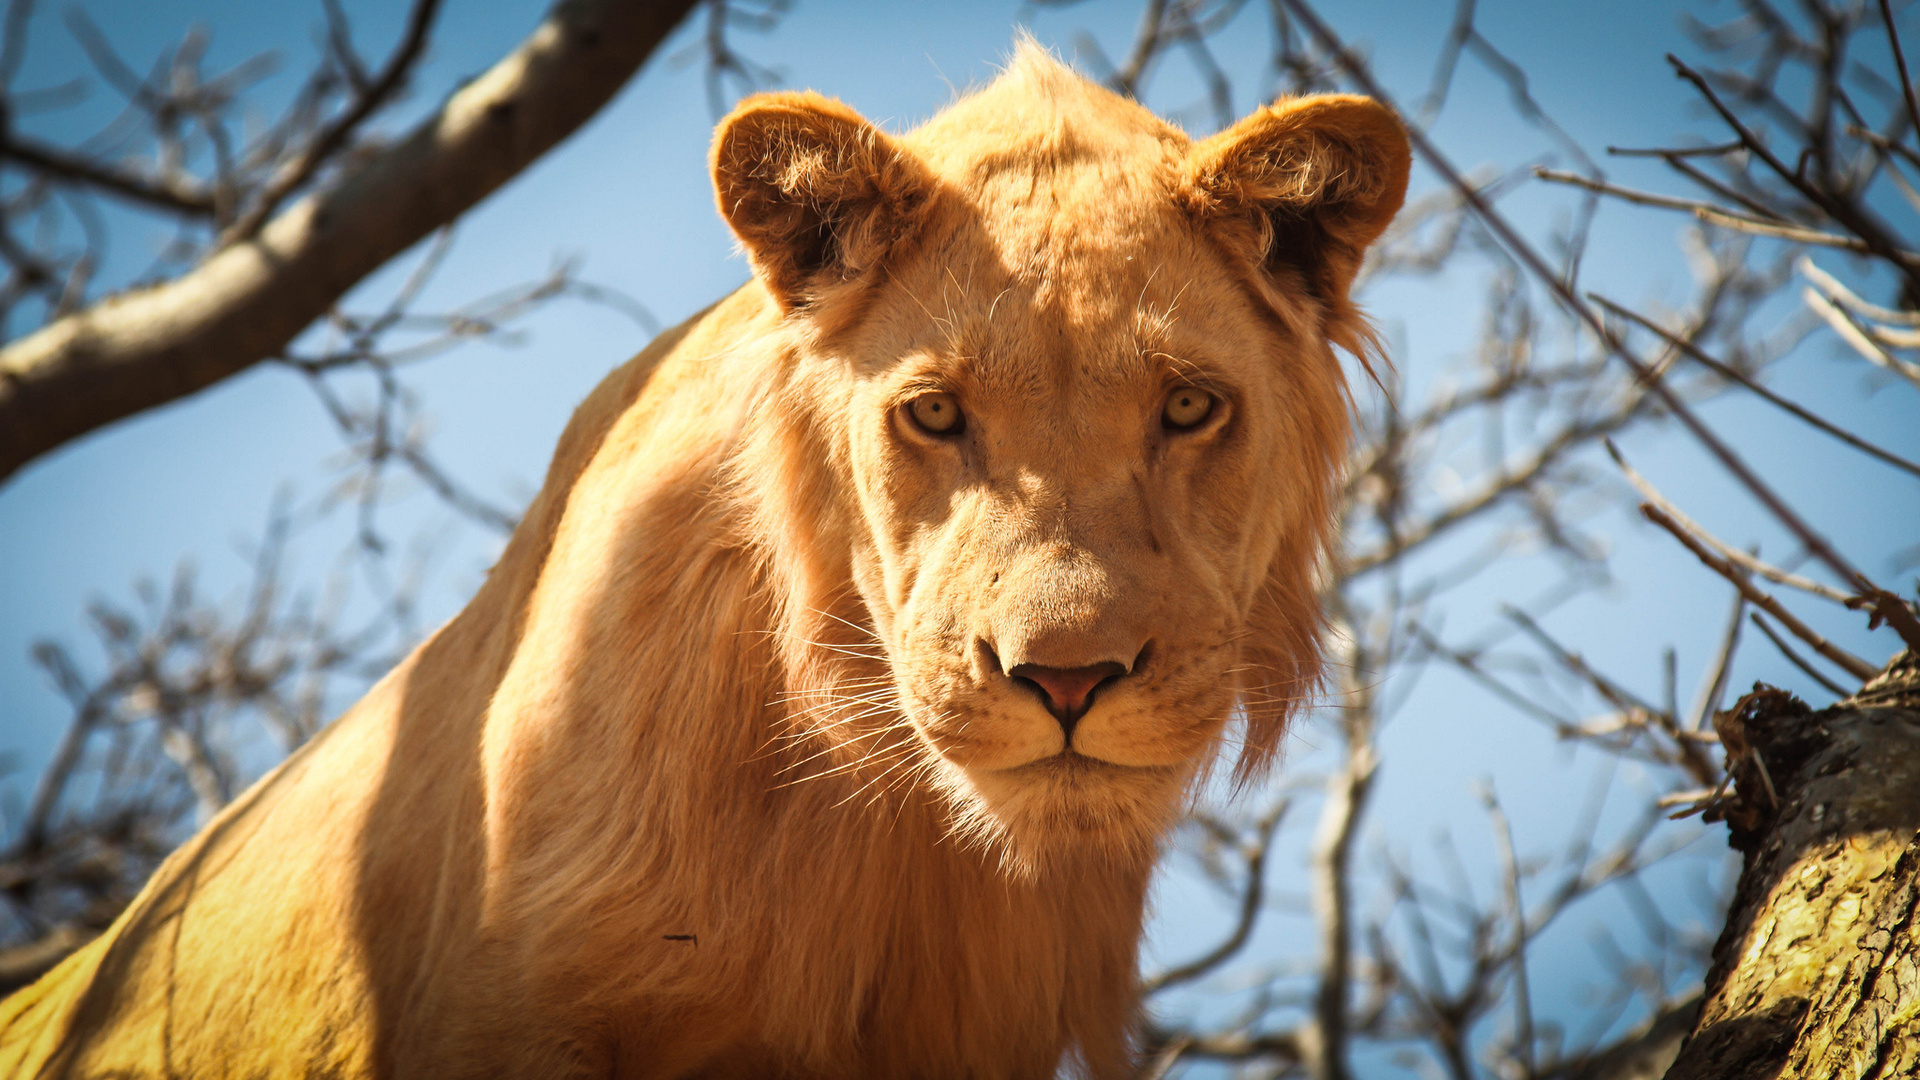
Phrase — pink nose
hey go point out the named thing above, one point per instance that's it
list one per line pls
(1069, 691)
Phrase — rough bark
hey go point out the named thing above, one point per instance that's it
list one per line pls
(1817, 973)
(247, 301)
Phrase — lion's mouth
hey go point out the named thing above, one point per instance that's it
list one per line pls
(1071, 764)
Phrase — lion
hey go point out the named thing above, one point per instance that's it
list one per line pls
(826, 713)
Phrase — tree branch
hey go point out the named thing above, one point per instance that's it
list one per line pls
(158, 193)
(1852, 664)
(246, 302)
(329, 141)
(1561, 290)
(1732, 374)
(1715, 215)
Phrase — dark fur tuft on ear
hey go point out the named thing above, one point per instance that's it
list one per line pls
(1300, 189)
(816, 194)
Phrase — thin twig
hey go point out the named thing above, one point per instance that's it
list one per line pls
(1715, 215)
(1510, 875)
(1849, 330)
(1854, 218)
(157, 192)
(1854, 666)
(1727, 371)
(1715, 686)
(1521, 250)
(1900, 62)
(330, 140)
(1688, 754)
(1251, 899)
(1846, 297)
(1744, 560)
(1789, 652)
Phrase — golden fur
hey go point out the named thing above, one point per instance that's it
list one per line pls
(722, 772)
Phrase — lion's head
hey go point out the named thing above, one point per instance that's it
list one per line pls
(1047, 472)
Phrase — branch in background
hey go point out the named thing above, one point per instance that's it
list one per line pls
(1900, 63)
(1254, 851)
(1147, 42)
(1326, 1040)
(1524, 253)
(1793, 657)
(1714, 215)
(388, 432)
(1840, 294)
(1852, 664)
(1863, 341)
(1713, 690)
(160, 193)
(1523, 1034)
(1726, 551)
(1691, 757)
(1854, 217)
(1728, 372)
(246, 302)
(721, 60)
(1164, 24)
(155, 741)
(333, 138)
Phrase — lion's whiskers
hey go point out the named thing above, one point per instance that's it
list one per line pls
(841, 769)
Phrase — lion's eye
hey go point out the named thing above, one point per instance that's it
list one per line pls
(1186, 407)
(937, 413)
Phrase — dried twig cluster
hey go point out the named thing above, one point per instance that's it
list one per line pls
(179, 151)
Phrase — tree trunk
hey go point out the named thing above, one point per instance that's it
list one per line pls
(1817, 973)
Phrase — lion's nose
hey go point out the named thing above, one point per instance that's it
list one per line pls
(1068, 691)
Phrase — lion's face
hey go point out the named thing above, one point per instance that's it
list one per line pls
(1071, 487)
(1080, 427)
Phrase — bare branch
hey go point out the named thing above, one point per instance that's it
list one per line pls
(1255, 852)
(1900, 62)
(330, 140)
(1851, 332)
(1727, 551)
(1326, 1039)
(246, 302)
(1523, 1035)
(1521, 250)
(1794, 657)
(1727, 371)
(1715, 215)
(1855, 218)
(1853, 665)
(1713, 689)
(158, 192)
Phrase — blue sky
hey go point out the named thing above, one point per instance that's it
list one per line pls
(628, 197)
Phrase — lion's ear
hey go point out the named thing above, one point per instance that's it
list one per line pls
(1302, 187)
(817, 194)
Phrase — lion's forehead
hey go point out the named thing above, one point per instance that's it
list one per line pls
(1058, 322)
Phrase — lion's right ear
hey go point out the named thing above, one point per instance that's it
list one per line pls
(817, 194)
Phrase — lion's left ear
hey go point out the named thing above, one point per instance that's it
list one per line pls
(1301, 188)
(817, 194)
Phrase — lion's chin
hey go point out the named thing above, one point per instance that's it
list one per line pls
(1067, 807)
